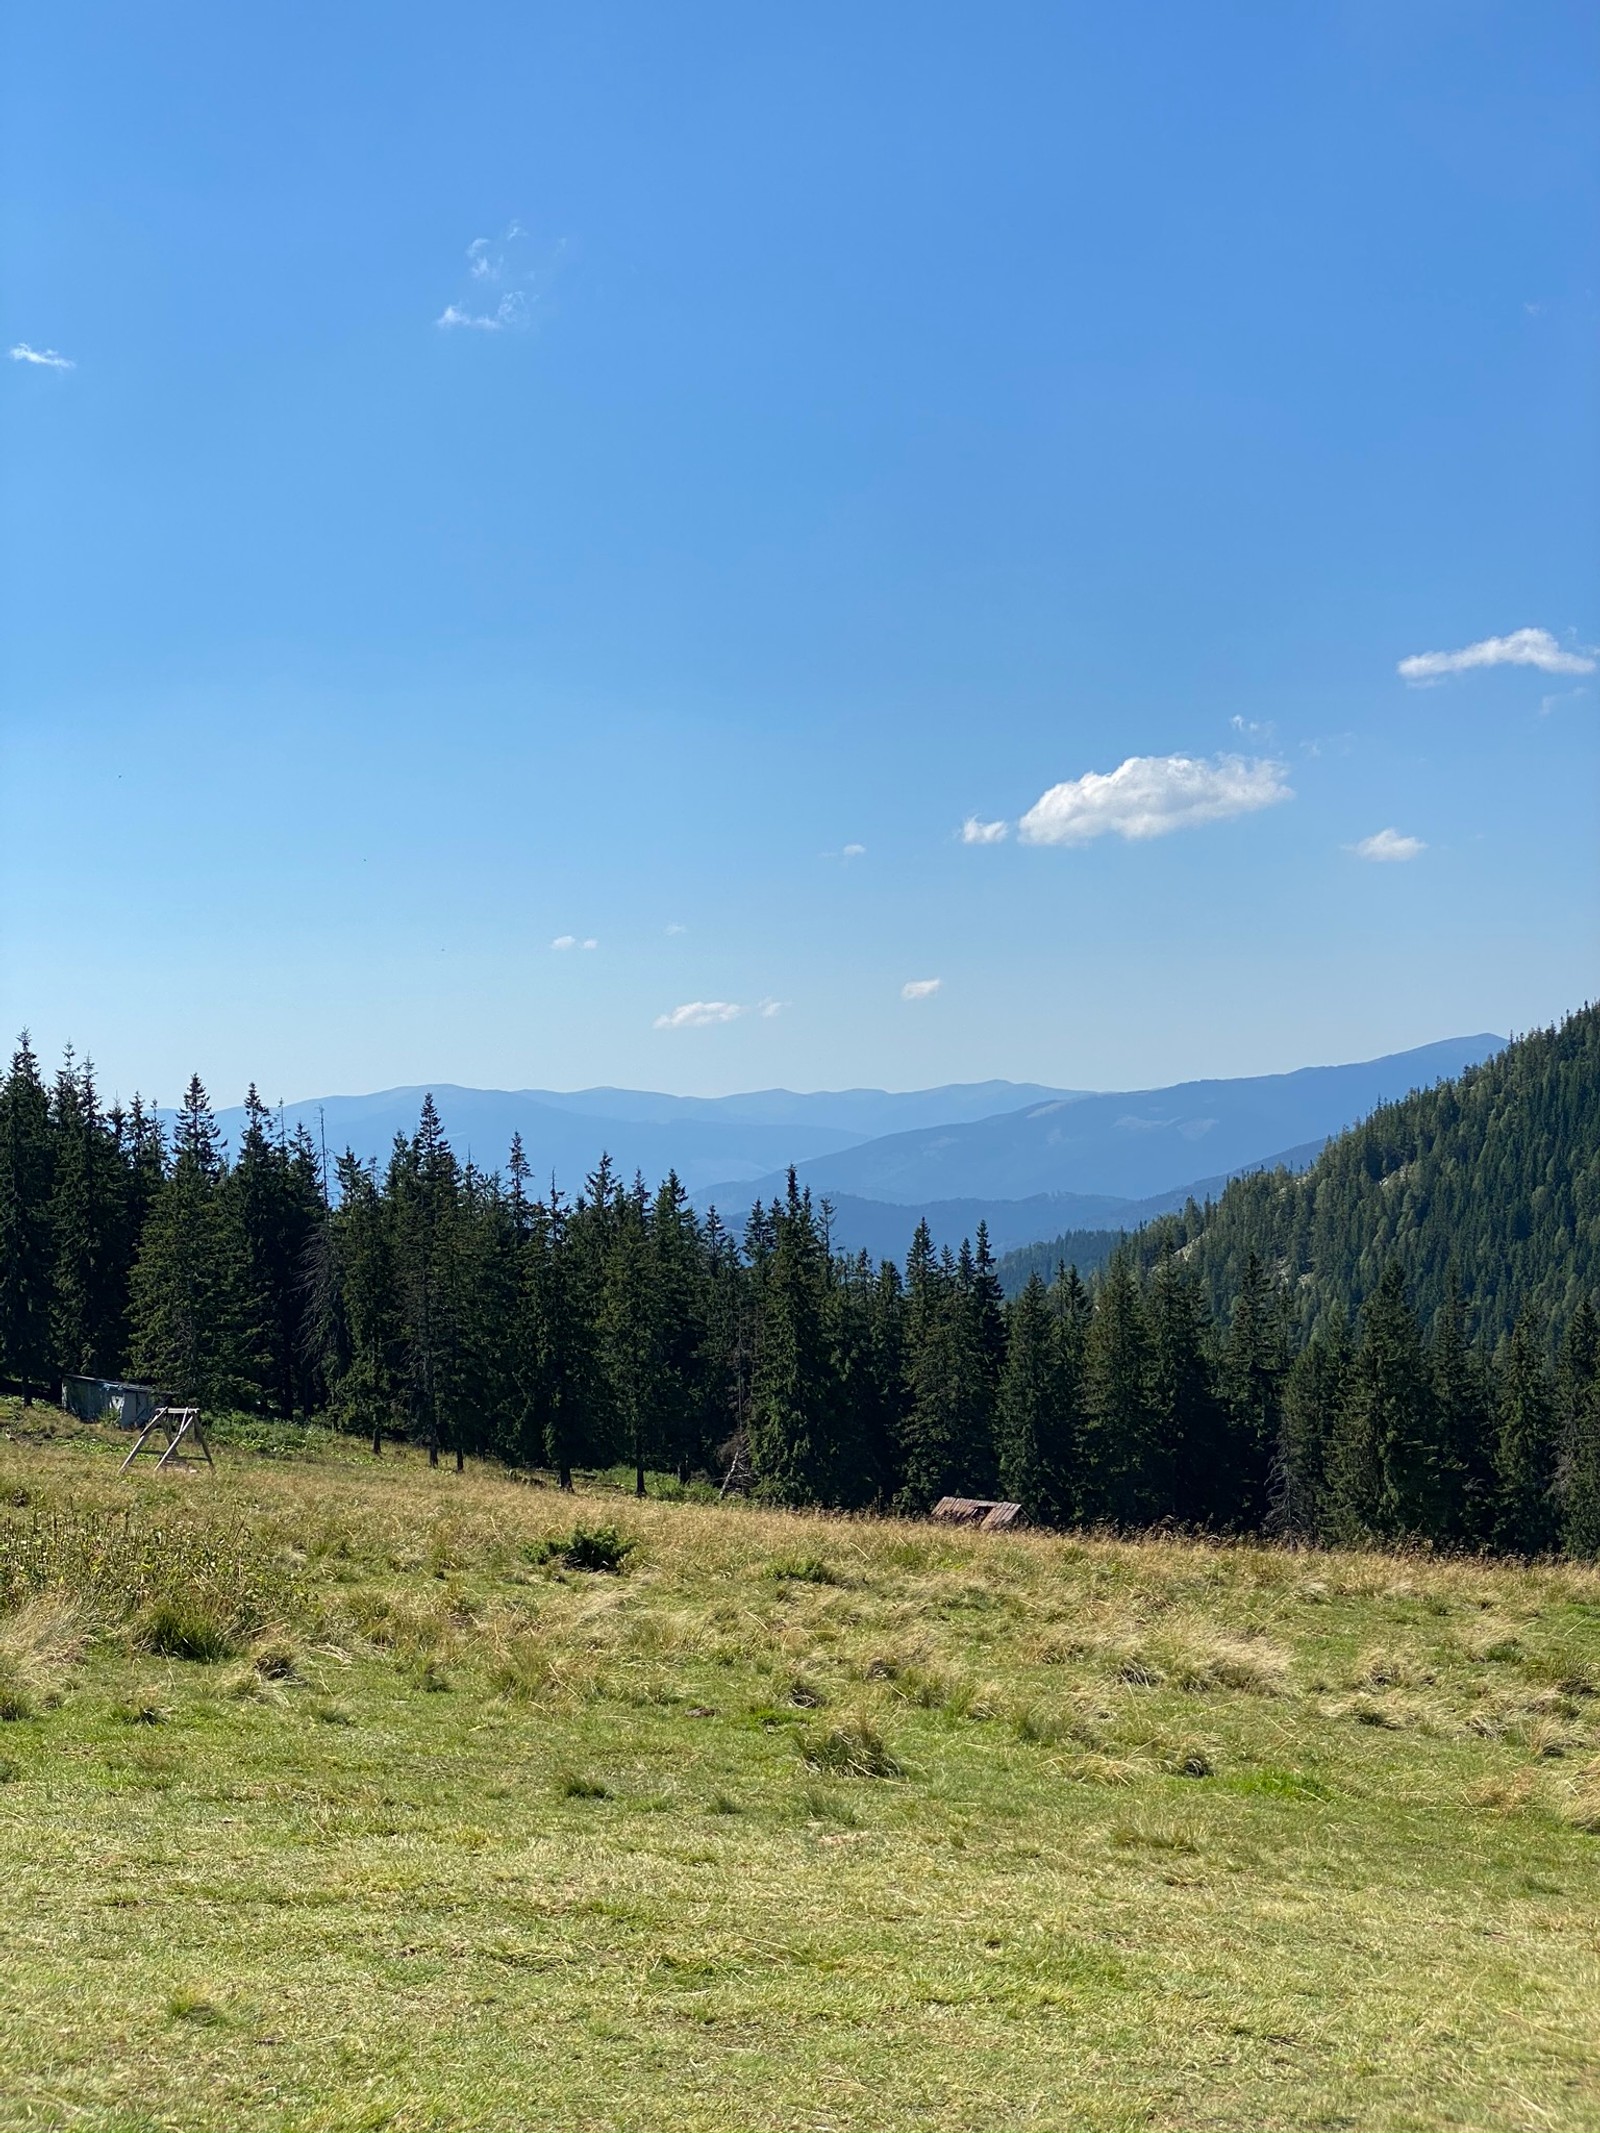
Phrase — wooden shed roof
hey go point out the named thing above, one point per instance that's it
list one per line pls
(980, 1511)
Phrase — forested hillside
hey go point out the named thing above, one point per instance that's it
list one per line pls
(1488, 1184)
(430, 1299)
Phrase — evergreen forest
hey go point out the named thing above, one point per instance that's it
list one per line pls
(1399, 1345)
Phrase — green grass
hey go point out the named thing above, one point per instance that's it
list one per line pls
(335, 1797)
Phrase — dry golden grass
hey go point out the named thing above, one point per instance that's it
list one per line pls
(795, 1823)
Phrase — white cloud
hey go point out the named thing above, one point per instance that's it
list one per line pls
(769, 1008)
(699, 1014)
(854, 851)
(1258, 729)
(920, 988)
(1151, 795)
(1523, 648)
(512, 310)
(975, 832)
(564, 941)
(675, 928)
(1388, 844)
(47, 357)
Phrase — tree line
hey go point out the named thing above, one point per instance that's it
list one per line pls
(464, 1310)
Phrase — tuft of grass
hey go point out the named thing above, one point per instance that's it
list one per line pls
(187, 1626)
(825, 1803)
(803, 1570)
(1154, 1837)
(275, 1659)
(574, 1786)
(188, 2004)
(854, 1749)
(601, 1549)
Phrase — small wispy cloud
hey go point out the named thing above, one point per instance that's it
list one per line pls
(846, 853)
(975, 832)
(511, 311)
(46, 358)
(675, 928)
(1152, 795)
(503, 263)
(1255, 729)
(564, 941)
(768, 1008)
(700, 1014)
(1387, 844)
(1522, 648)
(920, 988)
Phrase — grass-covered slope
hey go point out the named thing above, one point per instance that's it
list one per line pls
(1496, 1173)
(792, 1823)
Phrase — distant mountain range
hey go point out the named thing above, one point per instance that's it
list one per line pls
(1030, 1160)
(726, 1141)
(1129, 1145)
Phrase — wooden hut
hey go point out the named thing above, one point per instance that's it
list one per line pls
(982, 1512)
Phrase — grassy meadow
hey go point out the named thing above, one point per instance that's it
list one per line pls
(342, 1793)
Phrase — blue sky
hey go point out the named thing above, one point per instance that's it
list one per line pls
(884, 417)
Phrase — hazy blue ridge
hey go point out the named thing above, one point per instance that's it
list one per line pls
(706, 1139)
(1129, 1145)
(1077, 1157)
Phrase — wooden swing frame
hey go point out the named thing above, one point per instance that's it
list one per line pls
(179, 1426)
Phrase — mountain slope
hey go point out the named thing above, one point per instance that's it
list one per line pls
(1130, 1146)
(1496, 1174)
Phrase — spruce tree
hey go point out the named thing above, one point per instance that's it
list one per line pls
(277, 1190)
(1255, 1362)
(1580, 1431)
(1189, 1413)
(87, 1228)
(1127, 1465)
(425, 1186)
(187, 1301)
(1036, 1423)
(25, 1243)
(1396, 1419)
(1316, 1398)
(1528, 1445)
(1462, 1400)
(793, 1423)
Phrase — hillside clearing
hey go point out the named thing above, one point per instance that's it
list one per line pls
(335, 1797)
